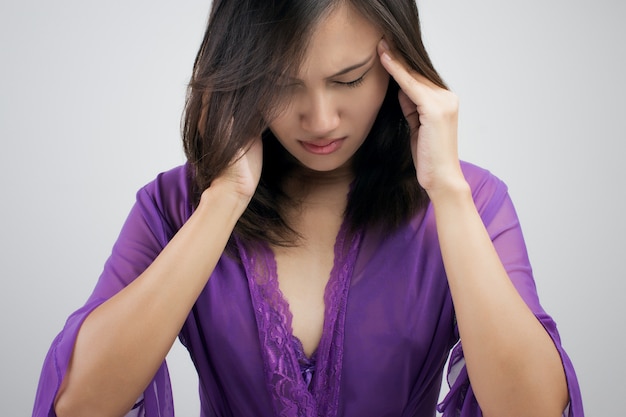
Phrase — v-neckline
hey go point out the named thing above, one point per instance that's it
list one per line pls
(274, 282)
(281, 348)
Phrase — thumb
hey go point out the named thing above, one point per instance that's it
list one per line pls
(409, 109)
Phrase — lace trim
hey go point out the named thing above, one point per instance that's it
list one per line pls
(291, 393)
(307, 365)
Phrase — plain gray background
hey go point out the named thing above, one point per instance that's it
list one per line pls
(90, 100)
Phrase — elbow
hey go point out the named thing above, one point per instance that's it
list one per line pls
(63, 407)
(69, 405)
(66, 406)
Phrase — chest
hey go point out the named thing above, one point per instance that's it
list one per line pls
(303, 274)
(398, 324)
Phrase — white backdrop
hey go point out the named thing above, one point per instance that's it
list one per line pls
(91, 95)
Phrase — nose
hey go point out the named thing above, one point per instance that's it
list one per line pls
(320, 115)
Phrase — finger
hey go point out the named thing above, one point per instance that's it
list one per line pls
(255, 143)
(394, 56)
(414, 85)
(409, 110)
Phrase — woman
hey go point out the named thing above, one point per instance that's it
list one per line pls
(324, 248)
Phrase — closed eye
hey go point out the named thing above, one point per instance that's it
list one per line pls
(354, 83)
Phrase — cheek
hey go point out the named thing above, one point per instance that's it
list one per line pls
(381, 85)
(371, 98)
(281, 124)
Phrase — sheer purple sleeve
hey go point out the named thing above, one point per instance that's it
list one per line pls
(144, 234)
(500, 218)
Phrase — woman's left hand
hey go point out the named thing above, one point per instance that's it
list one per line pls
(432, 115)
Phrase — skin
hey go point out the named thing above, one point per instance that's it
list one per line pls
(107, 374)
(334, 98)
(336, 94)
(506, 349)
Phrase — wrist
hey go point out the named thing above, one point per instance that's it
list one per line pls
(221, 195)
(453, 191)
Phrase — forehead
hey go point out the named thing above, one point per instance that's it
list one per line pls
(342, 38)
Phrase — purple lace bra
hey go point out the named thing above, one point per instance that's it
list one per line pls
(300, 385)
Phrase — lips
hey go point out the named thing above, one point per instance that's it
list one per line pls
(322, 146)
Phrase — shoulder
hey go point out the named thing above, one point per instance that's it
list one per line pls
(167, 197)
(488, 191)
(478, 177)
(481, 180)
(173, 183)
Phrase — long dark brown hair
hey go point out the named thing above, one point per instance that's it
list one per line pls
(231, 97)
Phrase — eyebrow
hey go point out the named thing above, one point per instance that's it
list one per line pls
(345, 70)
(352, 67)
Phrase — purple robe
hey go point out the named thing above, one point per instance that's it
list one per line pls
(389, 325)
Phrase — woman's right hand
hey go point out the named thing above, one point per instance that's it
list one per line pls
(243, 174)
(128, 336)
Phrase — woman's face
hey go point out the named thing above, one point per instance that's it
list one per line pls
(335, 97)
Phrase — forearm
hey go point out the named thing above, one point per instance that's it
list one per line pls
(123, 342)
(513, 365)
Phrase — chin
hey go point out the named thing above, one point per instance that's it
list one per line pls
(326, 167)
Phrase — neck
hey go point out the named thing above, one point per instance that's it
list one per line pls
(306, 186)
(316, 198)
